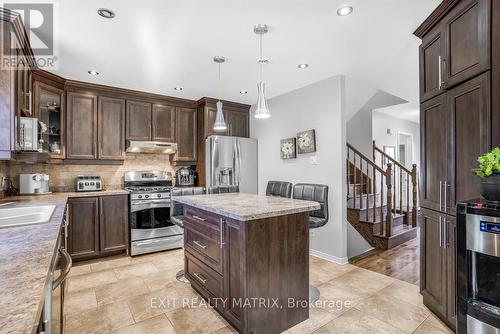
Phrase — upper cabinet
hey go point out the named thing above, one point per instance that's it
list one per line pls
(456, 49)
(6, 101)
(138, 120)
(111, 128)
(236, 116)
(164, 126)
(49, 109)
(186, 137)
(81, 125)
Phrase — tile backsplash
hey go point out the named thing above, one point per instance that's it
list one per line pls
(62, 176)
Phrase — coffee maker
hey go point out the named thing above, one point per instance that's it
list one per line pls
(184, 177)
(33, 184)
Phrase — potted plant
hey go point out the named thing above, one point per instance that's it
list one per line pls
(488, 175)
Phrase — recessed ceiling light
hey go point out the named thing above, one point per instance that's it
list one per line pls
(243, 91)
(178, 88)
(344, 11)
(92, 72)
(302, 66)
(106, 13)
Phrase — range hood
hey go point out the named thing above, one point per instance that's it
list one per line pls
(142, 146)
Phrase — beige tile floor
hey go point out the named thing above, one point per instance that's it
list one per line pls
(128, 295)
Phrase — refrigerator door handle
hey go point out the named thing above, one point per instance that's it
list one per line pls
(239, 160)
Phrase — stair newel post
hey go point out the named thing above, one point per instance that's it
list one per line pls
(347, 173)
(414, 183)
(374, 152)
(388, 217)
(355, 174)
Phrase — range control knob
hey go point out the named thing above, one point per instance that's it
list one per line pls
(140, 196)
(159, 195)
(147, 196)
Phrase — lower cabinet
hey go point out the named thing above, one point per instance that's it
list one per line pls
(98, 226)
(438, 264)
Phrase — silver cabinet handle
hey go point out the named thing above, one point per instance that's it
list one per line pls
(440, 74)
(221, 227)
(445, 196)
(199, 218)
(445, 233)
(200, 278)
(69, 265)
(440, 194)
(440, 232)
(199, 244)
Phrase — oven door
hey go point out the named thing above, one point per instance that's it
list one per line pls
(151, 219)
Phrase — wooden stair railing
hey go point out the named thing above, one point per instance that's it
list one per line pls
(371, 179)
(403, 179)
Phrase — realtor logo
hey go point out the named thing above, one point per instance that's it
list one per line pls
(38, 20)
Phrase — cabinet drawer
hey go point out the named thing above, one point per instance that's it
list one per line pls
(203, 277)
(197, 216)
(198, 242)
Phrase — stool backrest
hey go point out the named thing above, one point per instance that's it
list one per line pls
(279, 188)
(313, 192)
(223, 189)
(175, 207)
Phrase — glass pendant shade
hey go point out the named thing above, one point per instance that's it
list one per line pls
(220, 123)
(261, 111)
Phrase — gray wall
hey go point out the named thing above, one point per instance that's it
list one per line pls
(319, 106)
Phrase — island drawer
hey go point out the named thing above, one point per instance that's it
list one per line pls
(201, 276)
(203, 217)
(204, 243)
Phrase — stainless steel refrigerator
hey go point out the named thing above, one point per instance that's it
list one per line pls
(231, 161)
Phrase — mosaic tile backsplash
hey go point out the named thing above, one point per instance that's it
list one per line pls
(62, 177)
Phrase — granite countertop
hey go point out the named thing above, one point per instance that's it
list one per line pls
(27, 255)
(243, 207)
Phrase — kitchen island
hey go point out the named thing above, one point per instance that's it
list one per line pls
(248, 255)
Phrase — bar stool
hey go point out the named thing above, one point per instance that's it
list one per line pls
(223, 189)
(279, 188)
(177, 212)
(318, 218)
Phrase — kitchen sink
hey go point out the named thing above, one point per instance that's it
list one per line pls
(26, 215)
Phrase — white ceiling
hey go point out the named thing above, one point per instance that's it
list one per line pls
(154, 45)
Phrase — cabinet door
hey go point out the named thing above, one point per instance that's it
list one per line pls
(186, 135)
(163, 123)
(6, 100)
(431, 59)
(238, 124)
(138, 120)
(113, 214)
(81, 126)
(111, 120)
(432, 262)
(83, 229)
(468, 34)
(434, 142)
(469, 136)
(233, 280)
(451, 270)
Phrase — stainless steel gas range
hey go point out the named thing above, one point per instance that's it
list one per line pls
(150, 227)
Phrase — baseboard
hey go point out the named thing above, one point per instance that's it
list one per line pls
(363, 255)
(328, 257)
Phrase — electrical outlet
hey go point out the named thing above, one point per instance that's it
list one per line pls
(313, 160)
(312, 233)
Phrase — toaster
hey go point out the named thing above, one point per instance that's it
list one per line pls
(88, 183)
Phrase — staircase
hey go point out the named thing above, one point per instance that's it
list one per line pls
(381, 198)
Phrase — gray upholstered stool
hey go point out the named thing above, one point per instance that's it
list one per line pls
(177, 212)
(279, 188)
(318, 218)
(223, 189)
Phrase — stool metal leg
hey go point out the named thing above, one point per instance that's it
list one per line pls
(313, 294)
(180, 276)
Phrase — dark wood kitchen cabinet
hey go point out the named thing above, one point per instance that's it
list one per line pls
(456, 49)
(138, 120)
(83, 227)
(98, 226)
(113, 213)
(238, 123)
(81, 126)
(186, 137)
(163, 123)
(6, 100)
(438, 264)
(111, 131)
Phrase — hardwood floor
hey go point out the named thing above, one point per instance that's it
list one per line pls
(401, 262)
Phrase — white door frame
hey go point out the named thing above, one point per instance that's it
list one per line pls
(412, 153)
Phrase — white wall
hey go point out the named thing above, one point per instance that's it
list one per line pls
(319, 106)
(382, 122)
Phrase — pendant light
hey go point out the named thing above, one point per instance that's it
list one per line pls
(261, 111)
(220, 123)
